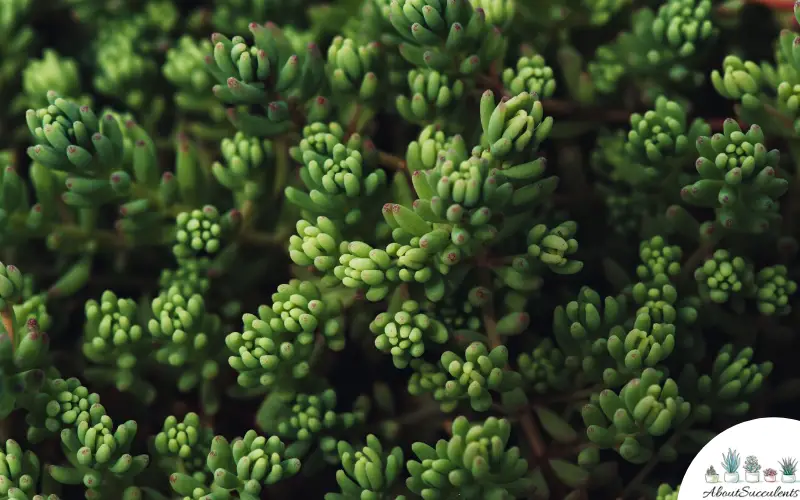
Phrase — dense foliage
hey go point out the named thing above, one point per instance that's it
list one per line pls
(391, 249)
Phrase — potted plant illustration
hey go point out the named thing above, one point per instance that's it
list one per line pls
(788, 468)
(752, 469)
(770, 475)
(711, 475)
(730, 464)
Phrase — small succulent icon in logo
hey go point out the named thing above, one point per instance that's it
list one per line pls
(788, 468)
(711, 475)
(770, 475)
(752, 469)
(730, 464)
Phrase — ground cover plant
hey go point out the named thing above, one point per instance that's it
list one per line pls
(392, 249)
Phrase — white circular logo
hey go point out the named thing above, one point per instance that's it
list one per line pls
(754, 459)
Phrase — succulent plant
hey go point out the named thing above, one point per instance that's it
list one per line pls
(751, 464)
(731, 461)
(391, 249)
(788, 466)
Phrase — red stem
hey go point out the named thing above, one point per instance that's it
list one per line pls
(785, 5)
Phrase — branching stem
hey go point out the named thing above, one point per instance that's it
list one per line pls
(529, 426)
(785, 5)
(7, 317)
(654, 460)
(703, 250)
(391, 162)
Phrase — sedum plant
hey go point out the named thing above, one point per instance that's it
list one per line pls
(392, 249)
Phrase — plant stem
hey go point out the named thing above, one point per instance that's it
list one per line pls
(390, 161)
(779, 116)
(115, 241)
(654, 460)
(248, 208)
(262, 239)
(570, 397)
(352, 126)
(574, 110)
(139, 191)
(103, 237)
(794, 189)
(7, 317)
(786, 5)
(529, 427)
(281, 166)
(705, 248)
(564, 108)
(418, 415)
(716, 124)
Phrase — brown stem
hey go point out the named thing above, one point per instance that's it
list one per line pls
(569, 397)
(298, 117)
(702, 251)
(208, 421)
(534, 437)
(104, 238)
(732, 9)
(654, 460)
(352, 127)
(574, 110)
(794, 188)
(775, 113)
(63, 212)
(529, 426)
(260, 239)
(390, 161)
(586, 198)
(716, 124)
(7, 317)
(282, 165)
(578, 111)
(567, 451)
(114, 241)
(564, 108)
(249, 207)
(492, 83)
(414, 417)
(785, 5)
